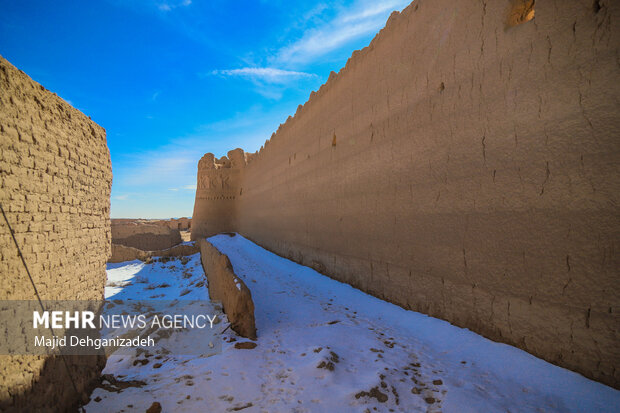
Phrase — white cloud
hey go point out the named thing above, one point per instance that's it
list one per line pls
(331, 29)
(167, 165)
(268, 81)
(372, 10)
(314, 12)
(174, 165)
(185, 187)
(161, 180)
(265, 74)
(363, 18)
(173, 5)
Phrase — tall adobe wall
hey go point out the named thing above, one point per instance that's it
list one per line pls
(55, 181)
(465, 165)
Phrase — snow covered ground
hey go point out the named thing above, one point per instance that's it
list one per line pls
(325, 347)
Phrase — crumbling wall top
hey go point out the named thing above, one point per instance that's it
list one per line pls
(236, 158)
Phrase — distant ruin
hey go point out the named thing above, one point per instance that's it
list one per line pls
(55, 180)
(141, 239)
(144, 235)
(182, 224)
(464, 165)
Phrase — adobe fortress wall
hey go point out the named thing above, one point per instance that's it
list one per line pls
(466, 164)
(55, 181)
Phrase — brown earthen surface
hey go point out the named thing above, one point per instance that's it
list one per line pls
(55, 180)
(225, 286)
(121, 253)
(217, 190)
(182, 224)
(466, 165)
(178, 250)
(144, 235)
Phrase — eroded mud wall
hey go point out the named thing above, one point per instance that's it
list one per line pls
(230, 290)
(55, 180)
(465, 165)
(217, 189)
(182, 224)
(144, 235)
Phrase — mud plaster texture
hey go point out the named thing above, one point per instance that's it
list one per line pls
(55, 181)
(465, 165)
(182, 224)
(226, 287)
(121, 253)
(144, 235)
(217, 192)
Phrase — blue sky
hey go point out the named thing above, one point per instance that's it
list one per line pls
(170, 80)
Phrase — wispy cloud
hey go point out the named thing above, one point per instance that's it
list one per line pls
(268, 81)
(168, 6)
(184, 187)
(168, 165)
(321, 30)
(162, 176)
(265, 74)
(372, 9)
(363, 18)
(174, 165)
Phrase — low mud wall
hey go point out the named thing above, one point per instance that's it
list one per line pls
(182, 224)
(225, 286)
(466, 164)
(55, 181)
(178, 250)
(121, 253)
(145, 236)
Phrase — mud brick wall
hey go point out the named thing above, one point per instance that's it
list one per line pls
(55, 181)
(225, 286)
(182, 224)
(144, 235)
(121, 253)
(466, 164)
(217, 189)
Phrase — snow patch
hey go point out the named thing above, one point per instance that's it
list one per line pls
(324, 346)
